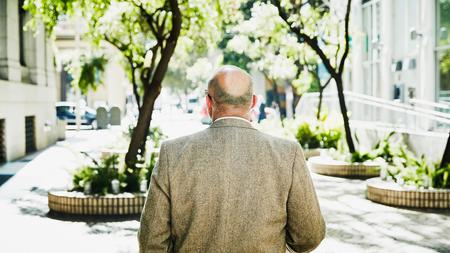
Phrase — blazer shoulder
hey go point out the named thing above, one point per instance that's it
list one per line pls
(286, 146)
(280, 141)
(176, 143)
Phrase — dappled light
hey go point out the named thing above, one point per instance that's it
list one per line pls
(225, 126)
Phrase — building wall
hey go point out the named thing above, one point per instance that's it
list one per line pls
(27, 88)
(388, 38)
(115, 87)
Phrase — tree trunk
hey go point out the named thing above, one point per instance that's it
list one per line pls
(152, 87)
(348, 132)
(140, 132)
(295, 100)
(319, 106)
(446, 157)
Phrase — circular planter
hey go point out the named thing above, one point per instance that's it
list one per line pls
(327, 166)
(79, 203)
(393, 194)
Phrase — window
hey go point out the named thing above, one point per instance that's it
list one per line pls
(2, 142)
(30, 138)
(372, 44)
(22, 22)
(443, 49)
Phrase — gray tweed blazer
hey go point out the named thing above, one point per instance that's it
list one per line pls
(230, 188)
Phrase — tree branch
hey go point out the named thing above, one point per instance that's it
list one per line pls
(168, 50)
(347, 46)
(302, 37)
(134, 83)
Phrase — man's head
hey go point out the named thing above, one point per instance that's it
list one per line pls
(230, 93)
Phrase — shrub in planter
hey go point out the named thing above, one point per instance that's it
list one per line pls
(132, 178)
(99, 175)
(383, 151)
(317, 136)
(409, 170)
(323, 133)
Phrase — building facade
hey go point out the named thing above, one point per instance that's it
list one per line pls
(115, 86)
(404, 48)
(27, 85)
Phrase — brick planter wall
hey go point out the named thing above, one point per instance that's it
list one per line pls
(78, 203)
(329, 167)
(391, 193)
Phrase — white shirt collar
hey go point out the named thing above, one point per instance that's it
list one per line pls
(231, 117)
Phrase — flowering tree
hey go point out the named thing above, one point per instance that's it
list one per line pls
(266, 40)
(191, 68)
(146, 33)
(324, 27)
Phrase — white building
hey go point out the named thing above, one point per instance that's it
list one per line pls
(404, 48)
(115, 85)
(27, 85)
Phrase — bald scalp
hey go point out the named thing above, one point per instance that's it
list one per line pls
(231, 86)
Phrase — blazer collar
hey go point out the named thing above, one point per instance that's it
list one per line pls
(231, 122)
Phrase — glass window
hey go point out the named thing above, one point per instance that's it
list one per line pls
(444, 74)
(371, 48)
(443, 49)
(443, 22)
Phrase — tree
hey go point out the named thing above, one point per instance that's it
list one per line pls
(265, 39)
(311, 22)
(146, 33)
(87, 72)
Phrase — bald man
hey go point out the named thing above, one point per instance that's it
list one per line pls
(230, 188)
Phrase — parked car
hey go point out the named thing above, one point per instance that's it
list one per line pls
(66, 111)
(192, 104)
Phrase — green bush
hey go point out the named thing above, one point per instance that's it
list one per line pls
(99, 175)
(102, 172)
(384, 149)
(317, 136)
(419, 172)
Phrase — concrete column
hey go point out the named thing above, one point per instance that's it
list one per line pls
(9, 40)
(49, 66)
(29, 55)
(37, 71)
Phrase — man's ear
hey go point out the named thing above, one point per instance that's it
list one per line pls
(209, 105)
(208, 101)
(254, 101)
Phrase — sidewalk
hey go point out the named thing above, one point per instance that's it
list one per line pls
(26, 225)
(354, 224)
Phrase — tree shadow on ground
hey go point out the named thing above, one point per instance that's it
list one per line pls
(354, 220)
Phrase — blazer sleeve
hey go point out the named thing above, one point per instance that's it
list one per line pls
(305, 224)
(154, 233)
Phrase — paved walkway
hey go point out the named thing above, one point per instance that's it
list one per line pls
(354, 224)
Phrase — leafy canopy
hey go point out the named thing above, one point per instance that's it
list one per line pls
(139, 28)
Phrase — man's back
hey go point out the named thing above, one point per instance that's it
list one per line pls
(230, 188)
